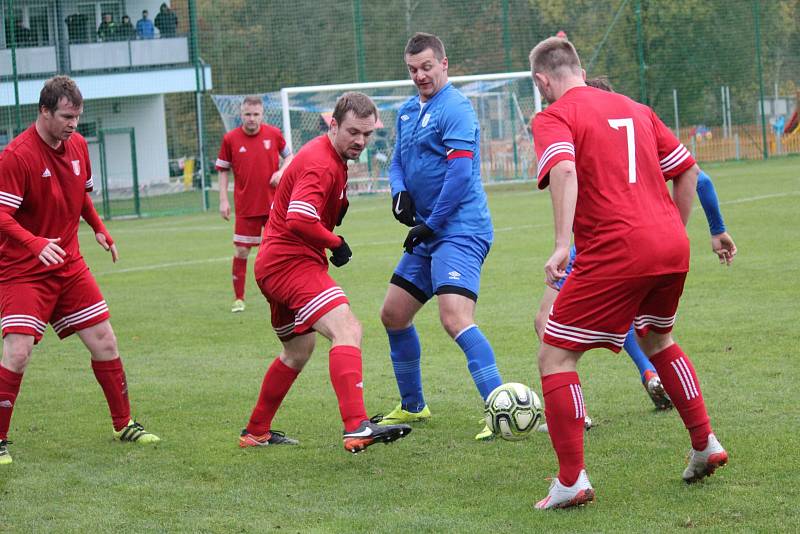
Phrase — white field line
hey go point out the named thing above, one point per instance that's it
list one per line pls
(158, 266)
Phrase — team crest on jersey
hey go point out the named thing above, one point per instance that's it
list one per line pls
(404, 117)
(267, 144)
(426, 119)
(76, 167)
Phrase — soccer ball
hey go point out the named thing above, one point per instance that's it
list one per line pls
(512, 411)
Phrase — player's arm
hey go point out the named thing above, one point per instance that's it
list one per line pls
(287, 156)
(684, 188)
(403, 208)
(676, 164)
(564, 195)
(223, 166)
(721, 242)
(303, 220)
(101, 234)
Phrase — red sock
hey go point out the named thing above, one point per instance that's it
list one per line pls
(111, 377)
(9, 388)
(564, 413)
(344, 364)
(239, 271)
(680, 382)
(277, 381)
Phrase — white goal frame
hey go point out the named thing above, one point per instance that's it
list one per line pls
(287, 91)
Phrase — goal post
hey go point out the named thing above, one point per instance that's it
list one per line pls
(504, 103)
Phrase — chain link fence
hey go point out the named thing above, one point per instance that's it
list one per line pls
(162, 87)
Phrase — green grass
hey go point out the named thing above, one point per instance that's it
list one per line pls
(194, 370)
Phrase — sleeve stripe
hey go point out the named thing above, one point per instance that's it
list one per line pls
(553, 150)
(298, 206)
(222, 164)
(90, 182)
(7, 199)
(453, 154)
(675, 158)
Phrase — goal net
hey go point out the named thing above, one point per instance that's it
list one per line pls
(503, 103)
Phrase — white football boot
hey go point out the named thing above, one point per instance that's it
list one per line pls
(561, 496)
(703, 463)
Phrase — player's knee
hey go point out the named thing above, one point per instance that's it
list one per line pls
(454, 323)
(17, 354)
(392, 319)
(652, 343)
(104, 344)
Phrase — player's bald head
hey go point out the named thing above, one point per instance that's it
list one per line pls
(555, 57)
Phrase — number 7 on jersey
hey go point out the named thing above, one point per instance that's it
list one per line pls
(628, 125)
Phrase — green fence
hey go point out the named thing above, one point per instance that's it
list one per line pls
(723, 74)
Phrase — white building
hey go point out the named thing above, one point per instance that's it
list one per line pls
(123, 81)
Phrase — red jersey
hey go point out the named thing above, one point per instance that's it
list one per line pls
(253, 159)
(313, 190)
(626, 224)
(42, 189)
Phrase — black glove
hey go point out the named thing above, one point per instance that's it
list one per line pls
(403, 208)
(341, 254)
(343, 213)
(417, 235)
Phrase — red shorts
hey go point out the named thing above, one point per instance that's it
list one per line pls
(69, 303)
(247, 230)
(299, 296)
(598, 313)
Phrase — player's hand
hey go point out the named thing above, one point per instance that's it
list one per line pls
(403, 208)
(52, 254)
(724, 247)
(555, 267)
(419, 234)
(276, 178)
(111, 247)
(342, 213)
(341, 254)
(225, 209)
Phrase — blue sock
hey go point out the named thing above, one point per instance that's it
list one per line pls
(480, 359)
(405, 352)
(639, 358)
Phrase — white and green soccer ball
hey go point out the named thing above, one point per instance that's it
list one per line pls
(512, 411)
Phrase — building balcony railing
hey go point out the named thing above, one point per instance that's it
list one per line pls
(114, 55)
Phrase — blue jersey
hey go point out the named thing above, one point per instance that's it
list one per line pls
(425, 136)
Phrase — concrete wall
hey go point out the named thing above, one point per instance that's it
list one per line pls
(146, 116)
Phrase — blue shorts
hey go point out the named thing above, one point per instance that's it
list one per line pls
(572, 254)
(450, 264)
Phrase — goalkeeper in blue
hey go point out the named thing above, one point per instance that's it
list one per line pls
(437, 191)
(722, 245)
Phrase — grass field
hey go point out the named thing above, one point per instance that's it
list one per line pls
(194, 370)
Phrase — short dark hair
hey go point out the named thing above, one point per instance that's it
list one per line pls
(253, 100)
(553, 55)
(145, 12)
(360, 104)
(55, 89)
(420, 42)
(600, 82)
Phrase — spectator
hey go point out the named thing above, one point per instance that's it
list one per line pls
(77, 28)
(125, 31)
(144, 27)
(107, 29)
(166, 21)
(24, 35)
